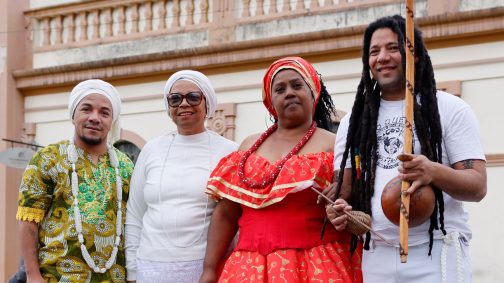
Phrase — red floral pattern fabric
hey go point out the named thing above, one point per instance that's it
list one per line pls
(325, 263)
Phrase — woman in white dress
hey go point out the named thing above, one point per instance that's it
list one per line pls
(168, 212)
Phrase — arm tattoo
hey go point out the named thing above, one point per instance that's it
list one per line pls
(468, 164)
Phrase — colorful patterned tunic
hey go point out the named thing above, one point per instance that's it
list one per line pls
(45, 197)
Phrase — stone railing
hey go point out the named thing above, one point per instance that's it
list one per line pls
(91, 22)
(250, 10)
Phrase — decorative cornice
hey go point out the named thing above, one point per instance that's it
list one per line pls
(453, 87)
(461, 25)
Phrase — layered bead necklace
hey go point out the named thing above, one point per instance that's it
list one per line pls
(72, 158)
(279, 164)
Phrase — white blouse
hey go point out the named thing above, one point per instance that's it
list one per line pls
(168, 212)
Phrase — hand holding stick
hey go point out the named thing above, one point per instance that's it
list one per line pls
(356, 220)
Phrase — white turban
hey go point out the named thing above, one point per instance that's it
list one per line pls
(198, 79)
(88, 87)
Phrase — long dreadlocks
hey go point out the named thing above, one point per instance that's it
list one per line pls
(362, 138)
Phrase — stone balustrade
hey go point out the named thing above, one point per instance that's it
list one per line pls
(250, 9)
(89, 23)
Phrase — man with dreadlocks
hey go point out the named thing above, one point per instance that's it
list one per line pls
(447, 155)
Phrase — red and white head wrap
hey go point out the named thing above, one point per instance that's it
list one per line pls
(298, 64)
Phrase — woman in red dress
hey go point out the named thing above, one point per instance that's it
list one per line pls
(261, 189)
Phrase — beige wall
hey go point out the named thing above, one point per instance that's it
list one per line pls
(34, 4)
(480, 68)
(13, 42)
(466, 5)
(486, 223)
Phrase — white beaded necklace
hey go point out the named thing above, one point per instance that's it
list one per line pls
(72, 158)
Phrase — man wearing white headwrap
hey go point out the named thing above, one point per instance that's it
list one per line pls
(72, 196)
(85, 88)
(168, 212)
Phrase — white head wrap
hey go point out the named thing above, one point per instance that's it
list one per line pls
(198, 79)
(88, 87)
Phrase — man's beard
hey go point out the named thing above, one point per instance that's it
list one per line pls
(397, 84)
(90, 141)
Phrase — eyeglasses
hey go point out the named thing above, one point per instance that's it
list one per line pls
(192, 98)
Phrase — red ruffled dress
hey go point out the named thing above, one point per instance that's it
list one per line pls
(279, 238)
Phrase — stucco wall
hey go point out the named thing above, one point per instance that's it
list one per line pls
(35, 4)
(486, 223)
(3, 53)
(326, 21)
(120, 50)
(466, 5)
(478, 67)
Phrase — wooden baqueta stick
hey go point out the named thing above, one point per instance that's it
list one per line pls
(353, 217)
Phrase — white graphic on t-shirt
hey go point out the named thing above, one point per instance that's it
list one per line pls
(390, 142)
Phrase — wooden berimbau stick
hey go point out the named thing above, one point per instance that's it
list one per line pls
(408, 126)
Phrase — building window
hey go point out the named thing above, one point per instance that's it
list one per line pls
(130, 149)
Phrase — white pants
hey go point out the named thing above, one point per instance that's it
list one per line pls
(169, 272)
(382, 263)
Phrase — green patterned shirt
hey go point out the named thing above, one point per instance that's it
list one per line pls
(45, 197)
